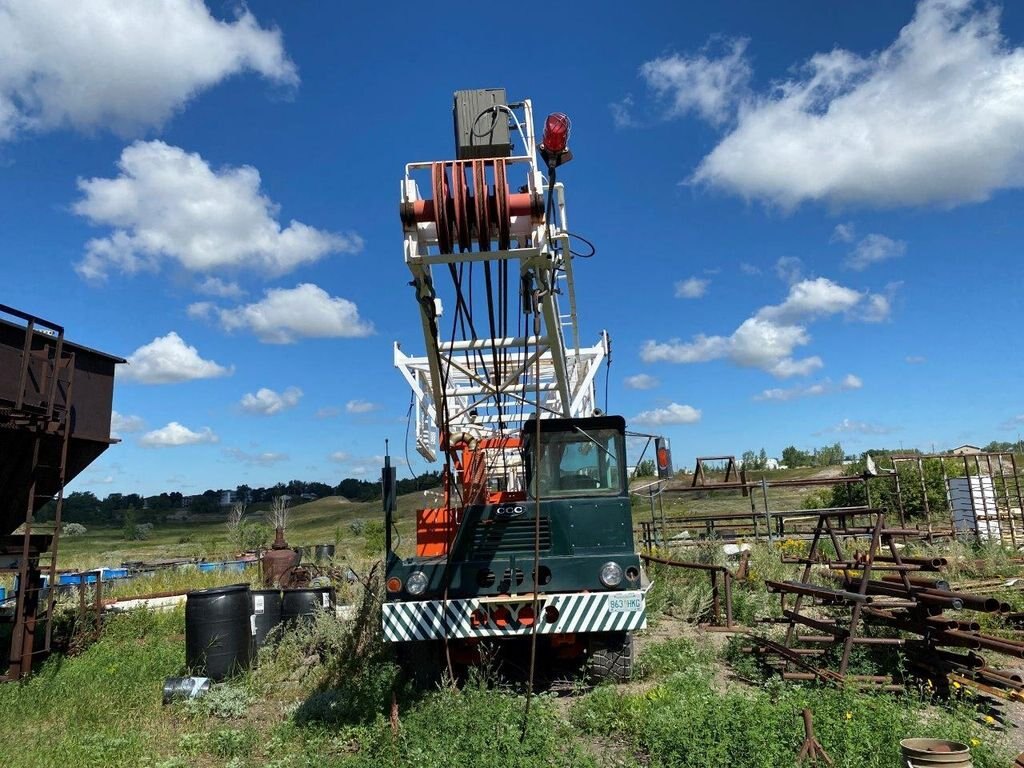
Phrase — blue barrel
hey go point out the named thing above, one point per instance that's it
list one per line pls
(218, 631)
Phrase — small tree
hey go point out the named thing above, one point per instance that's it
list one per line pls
(645, 468)
(279, 512)
(234, 522)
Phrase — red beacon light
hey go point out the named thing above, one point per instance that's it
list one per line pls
(554, 145)
(556, 133)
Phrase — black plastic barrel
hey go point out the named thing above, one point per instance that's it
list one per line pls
(266, 611)
(302, 604)
(218, 630)
(324, 552)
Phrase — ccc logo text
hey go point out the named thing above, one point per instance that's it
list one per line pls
(507, 512)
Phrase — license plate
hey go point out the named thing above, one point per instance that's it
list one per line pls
(630, 604)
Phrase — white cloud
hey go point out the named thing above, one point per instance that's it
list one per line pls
(167, 360)
(622, 112)
(937, 117)
(264, 459)
(360, 406)
(674, 413)
(122, 424)
(852, 426)
(812, 298)
(691, 288)
(641, 381)
(168, 204)
(339, 457)
(123, 66)
(711, 87)
(916, 359)
(825, 387)
(749, 269)
(843, 233)
(1013, 422)
(285, 315)
(214, 286)
(175, 434)
(873, 249)
(791, 393)
(327, 412)
(789, 269)
(769, 339)
(267, 402)
(850, 381)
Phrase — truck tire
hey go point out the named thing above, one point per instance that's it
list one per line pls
(420, 661)
(610, 658)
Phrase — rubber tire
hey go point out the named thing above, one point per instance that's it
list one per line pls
(420, 661)
(610, 658)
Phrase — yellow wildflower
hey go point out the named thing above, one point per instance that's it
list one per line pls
(975, 742)
(956, 685)
(849, 715)
(989, 720)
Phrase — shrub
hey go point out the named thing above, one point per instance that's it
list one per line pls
(73, 529)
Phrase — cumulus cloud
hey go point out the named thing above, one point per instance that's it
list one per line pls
(825, 387)
(360, 406)
(267, 402)
(214, 286)
(789, 269)
(935, 118)
(692, 288)
(843, 233)
(873, 249)
(769, 339)
(168, 204)
(121, 424)
(641, 381)
(264, 459)
(285, 315)
(708, 85)
(673, 413)
(175, 435)
(852, 426)
(124, 66)
(167, 360)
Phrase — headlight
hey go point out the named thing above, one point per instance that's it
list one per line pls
(417, 582)
(611, 574)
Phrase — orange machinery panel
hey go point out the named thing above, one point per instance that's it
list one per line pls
(435, 531)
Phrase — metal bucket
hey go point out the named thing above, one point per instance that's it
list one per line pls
(935, 753)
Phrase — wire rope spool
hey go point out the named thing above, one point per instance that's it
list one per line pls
(483, 222)
(502, 209)
(463, 210)
(442, 206)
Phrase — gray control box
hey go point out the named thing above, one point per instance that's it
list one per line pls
(481, 131)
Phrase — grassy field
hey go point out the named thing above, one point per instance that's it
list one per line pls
(322, 696)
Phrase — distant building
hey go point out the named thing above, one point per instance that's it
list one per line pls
(773, 464)
(966, 450)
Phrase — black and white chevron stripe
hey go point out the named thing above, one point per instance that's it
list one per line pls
(577, 613)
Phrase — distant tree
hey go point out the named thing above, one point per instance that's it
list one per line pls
(794, 457)
(829, 455)
(748, 460)
(645, 468)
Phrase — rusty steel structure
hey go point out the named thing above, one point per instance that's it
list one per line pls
(55, 408)
(876, 599)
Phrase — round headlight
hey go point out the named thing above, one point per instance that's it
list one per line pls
(611, 574)
(417, 582)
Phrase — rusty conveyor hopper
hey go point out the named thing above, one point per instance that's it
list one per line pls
(24, 394)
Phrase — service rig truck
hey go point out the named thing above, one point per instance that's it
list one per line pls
(532, 540)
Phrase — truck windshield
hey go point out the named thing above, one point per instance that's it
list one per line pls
(579, 463)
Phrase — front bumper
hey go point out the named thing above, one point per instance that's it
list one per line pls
(576, 612)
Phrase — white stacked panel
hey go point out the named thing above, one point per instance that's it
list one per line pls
(973, 501)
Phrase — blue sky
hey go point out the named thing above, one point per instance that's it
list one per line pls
(806, 215)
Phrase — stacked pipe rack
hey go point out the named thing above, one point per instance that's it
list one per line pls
(901, 601)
